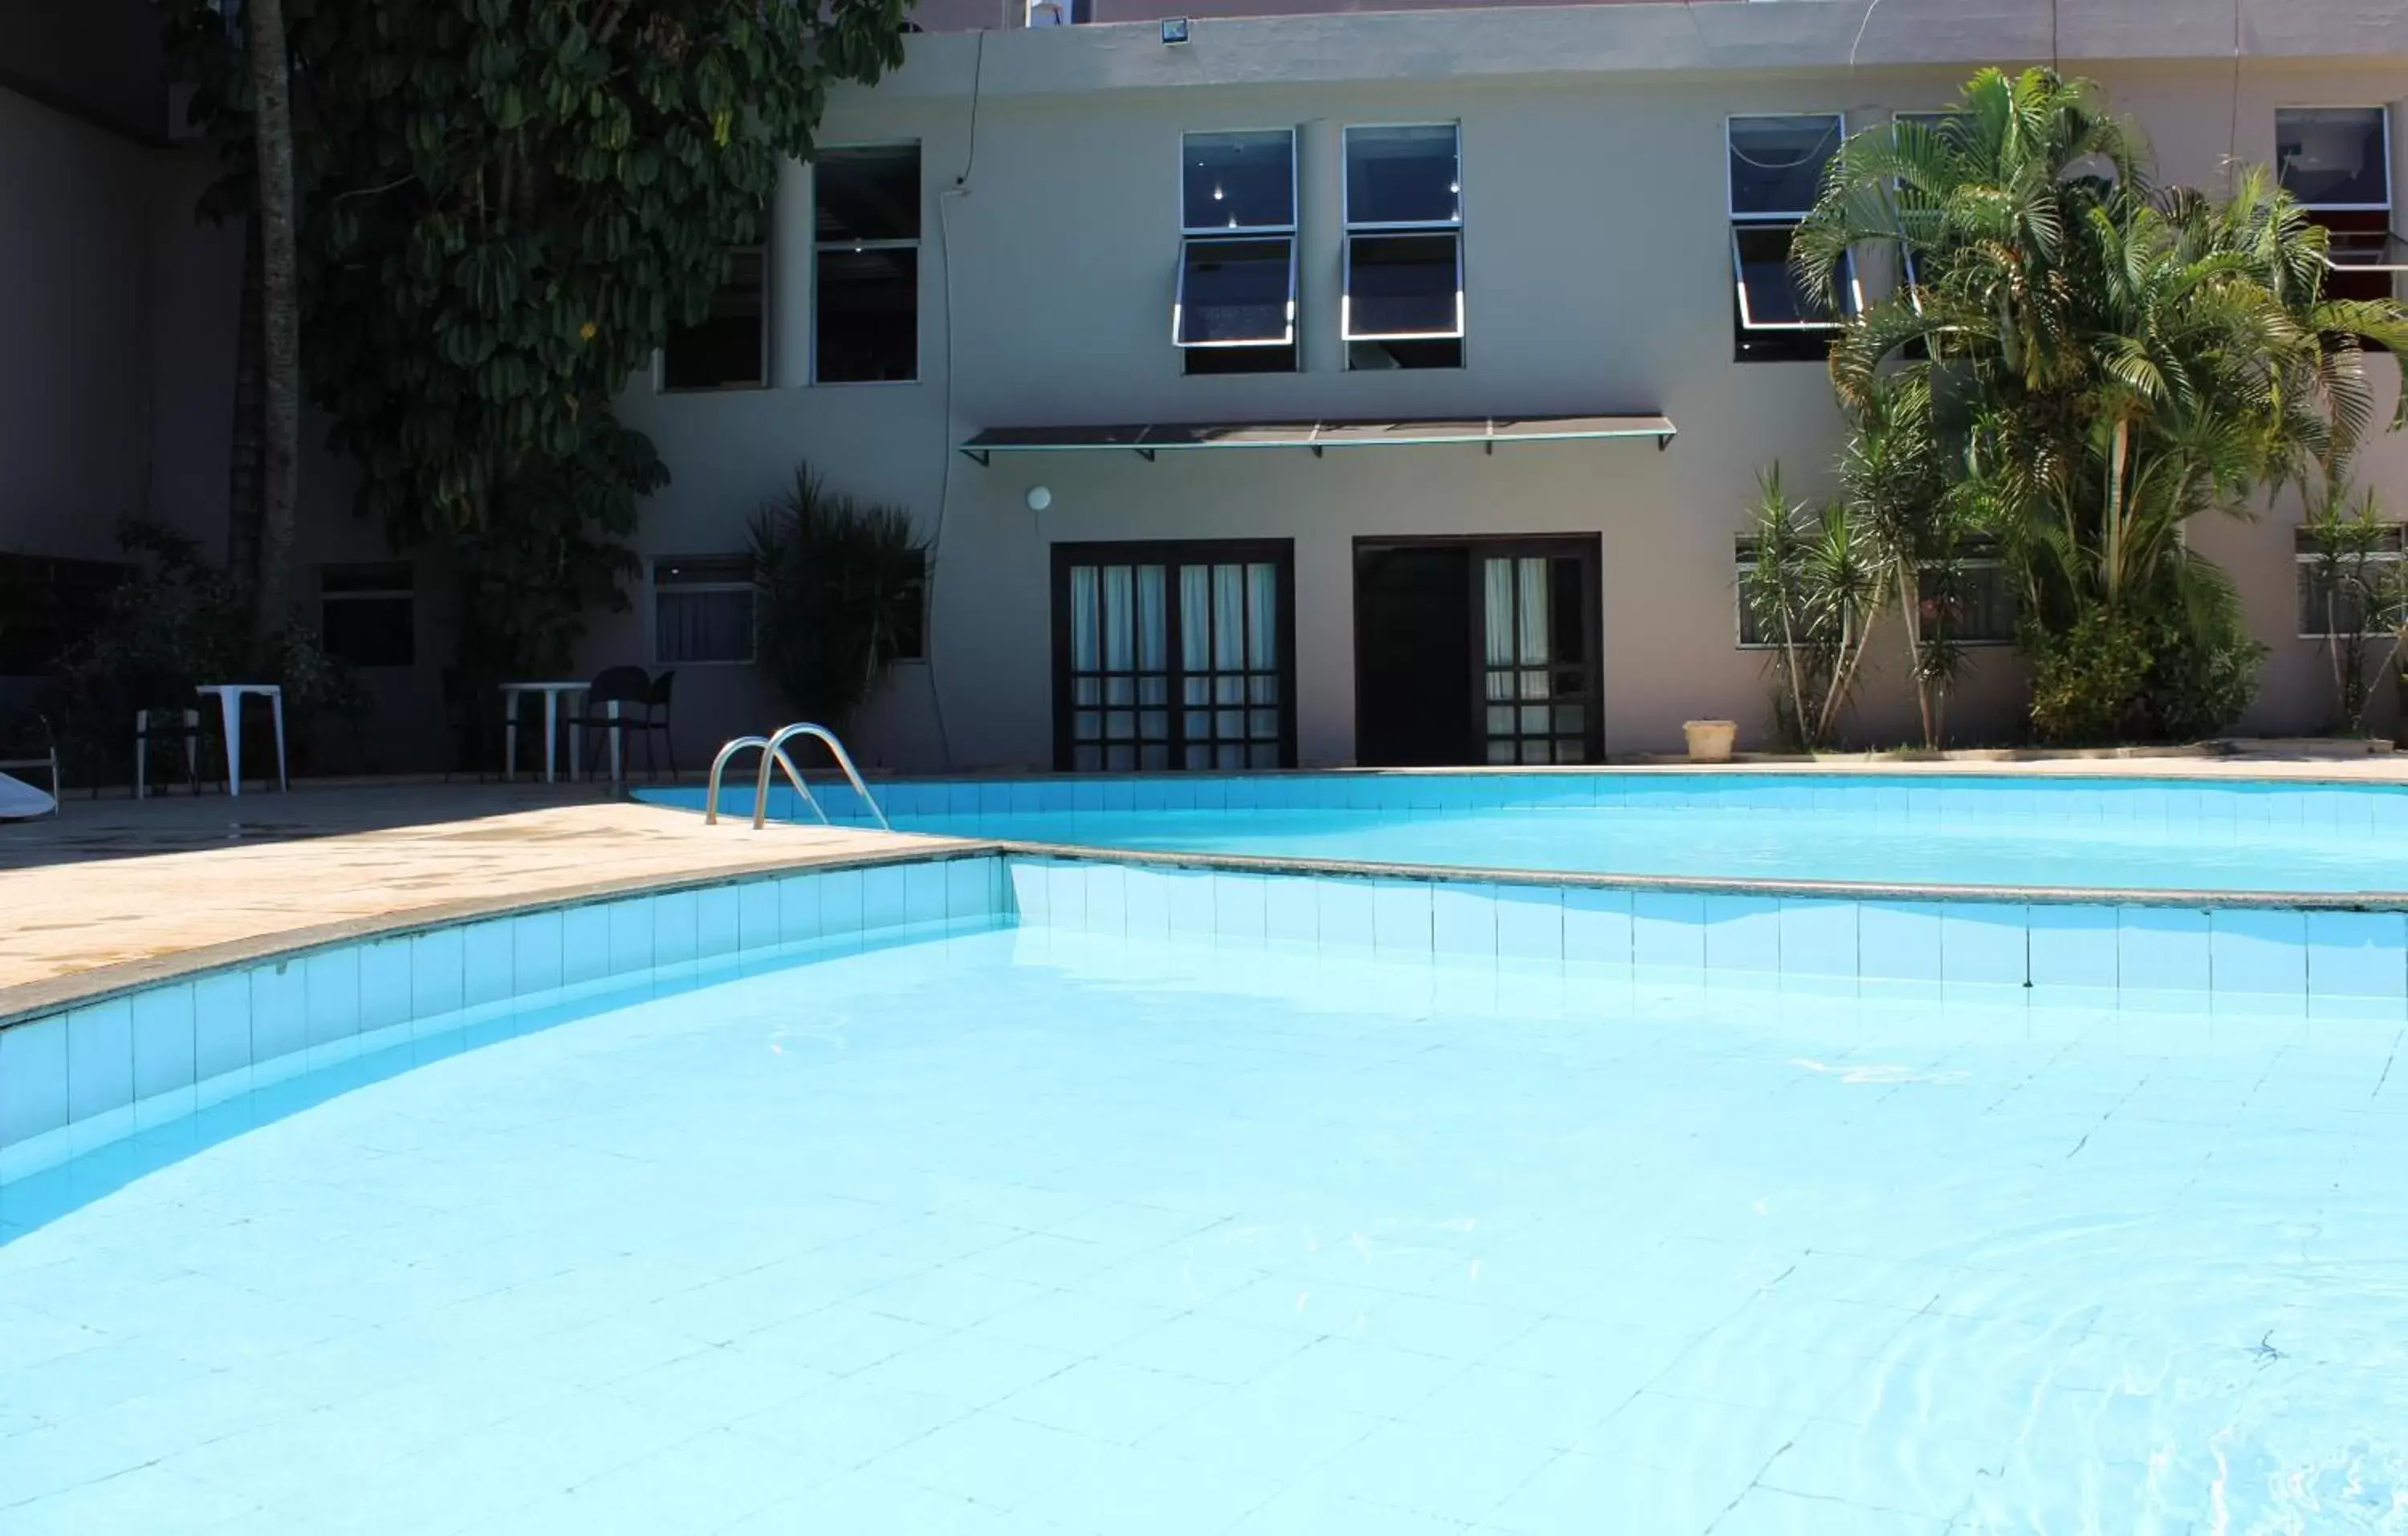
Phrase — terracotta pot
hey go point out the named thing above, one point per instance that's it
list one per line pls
(1709, 741)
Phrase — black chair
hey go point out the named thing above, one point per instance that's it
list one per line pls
(164, 725)
(655, 722)
(631, 689)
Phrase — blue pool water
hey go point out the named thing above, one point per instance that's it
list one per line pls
(2024, 832)
(1030, 1231)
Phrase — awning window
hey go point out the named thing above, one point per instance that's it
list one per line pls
(1148, 438)
(1236, 293)
(1399, 287)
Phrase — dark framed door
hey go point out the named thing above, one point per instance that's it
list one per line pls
(1174, 655)
(1478, 651)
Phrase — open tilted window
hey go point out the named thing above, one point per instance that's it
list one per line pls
(1403, 305)
(1776, 172)
(1235, 307)
(2337, 161)
(866, 325)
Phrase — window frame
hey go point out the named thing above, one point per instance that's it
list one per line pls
(1985, 560)
(370, 595)
(1351, 228)
(1851, 299)
(2304, 560)
(760, 248)
(2391, 251)
(1171, 554)
(919, 272)
(2382, 112)
(1191, 235)
(752, 608)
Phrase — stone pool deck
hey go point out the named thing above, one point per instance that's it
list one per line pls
(118, 892)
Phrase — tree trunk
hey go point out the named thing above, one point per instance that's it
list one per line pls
(280, 314)
(243, 471)
(1910, 613)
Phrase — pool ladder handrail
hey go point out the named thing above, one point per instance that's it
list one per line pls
(773, 755)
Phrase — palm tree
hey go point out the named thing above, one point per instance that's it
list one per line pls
(271, 80)
(1893, 478)
(2120, 359)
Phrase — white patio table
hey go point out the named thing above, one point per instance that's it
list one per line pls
(229, 698)
(551, 692)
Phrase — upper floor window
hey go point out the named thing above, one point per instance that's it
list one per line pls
(2337, 161)
(368, 615)
(1235, 307)
(866, 325)
(729, 349)
(1776, 167)
(1403, 305)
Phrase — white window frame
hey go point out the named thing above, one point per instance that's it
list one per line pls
(1377, 228)
(760, 248)
(753, 630)
(919, 271)
(2303, 561)
(1852, 300)
(2393, 246)
(1192, 235)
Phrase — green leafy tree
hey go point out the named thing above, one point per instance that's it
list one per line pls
(2121, 358)
(504, 207)
(842, 587)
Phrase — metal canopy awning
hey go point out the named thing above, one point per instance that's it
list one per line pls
(1147, 439)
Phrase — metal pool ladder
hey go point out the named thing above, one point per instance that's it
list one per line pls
(773, 753)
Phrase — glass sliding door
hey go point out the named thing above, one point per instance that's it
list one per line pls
(1539, 673)
(1172, 656)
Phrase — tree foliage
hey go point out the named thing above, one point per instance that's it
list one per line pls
(841, 592)
(2118, 358)
(504, 207)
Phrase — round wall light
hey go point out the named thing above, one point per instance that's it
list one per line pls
(1039, 498)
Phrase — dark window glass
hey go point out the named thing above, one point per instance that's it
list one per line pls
(1776, 162)
(912, 638)
(1403, 285)
(702, 609)
(1211, 360)
(368, 615)
(1239, 180)
(1405, 352)
(1977, 608)
(1236, 290)
(867, 194)
(47, 606)
(1402, 176)
(730, 346)
(868, 315)
(1773, 297)
(2333, 156)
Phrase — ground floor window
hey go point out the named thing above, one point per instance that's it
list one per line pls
(1174, 655)
(369, 614)
(702, 609)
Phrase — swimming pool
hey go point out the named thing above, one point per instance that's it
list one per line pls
(1965, 832)
(1003, 1226)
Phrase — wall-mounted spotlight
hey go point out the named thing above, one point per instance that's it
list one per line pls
(1039, 498)
(1174, 30)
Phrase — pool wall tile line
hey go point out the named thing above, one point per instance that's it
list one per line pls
(88, 1075)
(2135, 955)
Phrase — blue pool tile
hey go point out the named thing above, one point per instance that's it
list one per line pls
(1898, 940)
(33, 1079)
(677, 928)
(798, 909)
(1818, 938)
(2261, 952)
(1187, 902)
(1116, 797)
(961, 799)
(279, 1010)
(536, 963)
(1106, 904)
(163, 1036)
(1742, 933)
(100, 1057)
(881, 898)
(2073, 945)
(1056, 797)
(1597, 924)
(1145, 900)
(1241, 913)
(488, 963)
(1242, 793)
(1027, 796)
(1530, 923)
(759, 923)
(1345, 912)
(1984, 943)
(330, 980)
(1211, 794)
(1030, 885)
(970, 886)
(1666, 928)
(2357, 955)
(2161, 949)
(924, 892)
(1292, 910)
(1463, 918)
(631, 937)
(584, 944)
(221, 1019)
(718, 925)
(1400, 916)
(1066, 894)
(438, 973)
(842, 898)
(995, 798)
